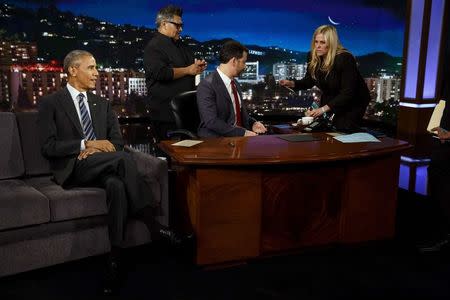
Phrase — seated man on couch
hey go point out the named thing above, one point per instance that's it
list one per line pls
(80, 135)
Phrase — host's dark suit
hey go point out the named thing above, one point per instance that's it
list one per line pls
(217, 117)
(60, 137)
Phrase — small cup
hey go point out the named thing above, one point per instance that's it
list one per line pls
(307, 120)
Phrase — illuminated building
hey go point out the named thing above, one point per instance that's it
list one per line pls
(17, 53)
(30, 82)
(384, 88)
(137, 85)
(388, 88)
(251, 73)
(4, 89)
(289, 71)
(113, 84)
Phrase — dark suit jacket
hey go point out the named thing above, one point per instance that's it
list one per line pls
(343, 90)
(216, 110)
(60, 131)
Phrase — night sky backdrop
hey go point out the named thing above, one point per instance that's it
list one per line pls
(365, 26)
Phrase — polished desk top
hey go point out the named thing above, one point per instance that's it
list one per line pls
(270, 149)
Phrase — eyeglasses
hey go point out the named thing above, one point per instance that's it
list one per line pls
(177, 25)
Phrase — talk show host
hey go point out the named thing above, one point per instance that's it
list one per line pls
(219, 97)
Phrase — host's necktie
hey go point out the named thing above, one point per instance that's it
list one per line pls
(86, 119)
(236, 103)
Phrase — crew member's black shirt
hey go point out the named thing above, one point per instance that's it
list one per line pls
(161, 55)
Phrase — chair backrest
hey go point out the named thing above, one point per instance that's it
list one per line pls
(185, 111)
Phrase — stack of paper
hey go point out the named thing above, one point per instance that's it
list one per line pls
(187, 143)
(436, 117)
(359, 137)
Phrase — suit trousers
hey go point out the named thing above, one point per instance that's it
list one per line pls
(117, 173)
(438, 183)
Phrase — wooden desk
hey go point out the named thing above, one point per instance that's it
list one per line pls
(256, 196)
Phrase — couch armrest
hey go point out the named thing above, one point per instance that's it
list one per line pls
(155, 176)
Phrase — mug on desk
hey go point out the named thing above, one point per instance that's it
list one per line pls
(307, 120)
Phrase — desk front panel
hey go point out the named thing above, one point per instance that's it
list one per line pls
(275, 197)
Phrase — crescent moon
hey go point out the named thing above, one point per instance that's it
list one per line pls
(332, 22)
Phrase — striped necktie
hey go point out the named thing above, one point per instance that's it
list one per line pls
(85, 119)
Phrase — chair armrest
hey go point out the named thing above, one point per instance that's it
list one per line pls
(182, 134)
(154, 172)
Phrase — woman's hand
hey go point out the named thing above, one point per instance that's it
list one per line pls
(317, 112)
(288, 83)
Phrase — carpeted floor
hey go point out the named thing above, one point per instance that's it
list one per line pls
(372, 270)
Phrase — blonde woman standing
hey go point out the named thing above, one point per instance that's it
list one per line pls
(333, 69)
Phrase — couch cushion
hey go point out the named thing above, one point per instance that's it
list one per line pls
(67, 204)
(18, 235)
(21, 205)
(35, 163)
(11, 162)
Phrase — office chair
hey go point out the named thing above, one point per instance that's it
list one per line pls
(187, 118)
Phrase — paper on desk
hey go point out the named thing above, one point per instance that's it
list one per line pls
(187, 143)
(436, 116)
(359, 137)
(334, 133)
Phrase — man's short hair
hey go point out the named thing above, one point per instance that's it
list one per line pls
(167, 13)
(231, 49)
(73, 59)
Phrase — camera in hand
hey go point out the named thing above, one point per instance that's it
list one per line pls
(320, 124)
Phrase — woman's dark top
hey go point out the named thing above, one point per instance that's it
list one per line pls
(343, 90)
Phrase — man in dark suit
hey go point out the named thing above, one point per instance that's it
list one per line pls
(439, 174)
(80, 135)
(219, 97)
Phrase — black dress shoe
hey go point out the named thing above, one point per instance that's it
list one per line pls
(435, 246)
(111, 282)
(174, 238)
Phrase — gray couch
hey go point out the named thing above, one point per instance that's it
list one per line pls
(42, 224)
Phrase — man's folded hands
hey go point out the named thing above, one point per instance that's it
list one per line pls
(87, 152)
(101, 145)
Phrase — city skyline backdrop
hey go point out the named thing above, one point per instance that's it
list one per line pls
(365, 26)
(38, 34)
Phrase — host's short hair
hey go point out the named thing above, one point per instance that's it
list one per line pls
(73, 59)
(231, 49)
(167, 13)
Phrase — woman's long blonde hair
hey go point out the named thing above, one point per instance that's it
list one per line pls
(334, 48)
